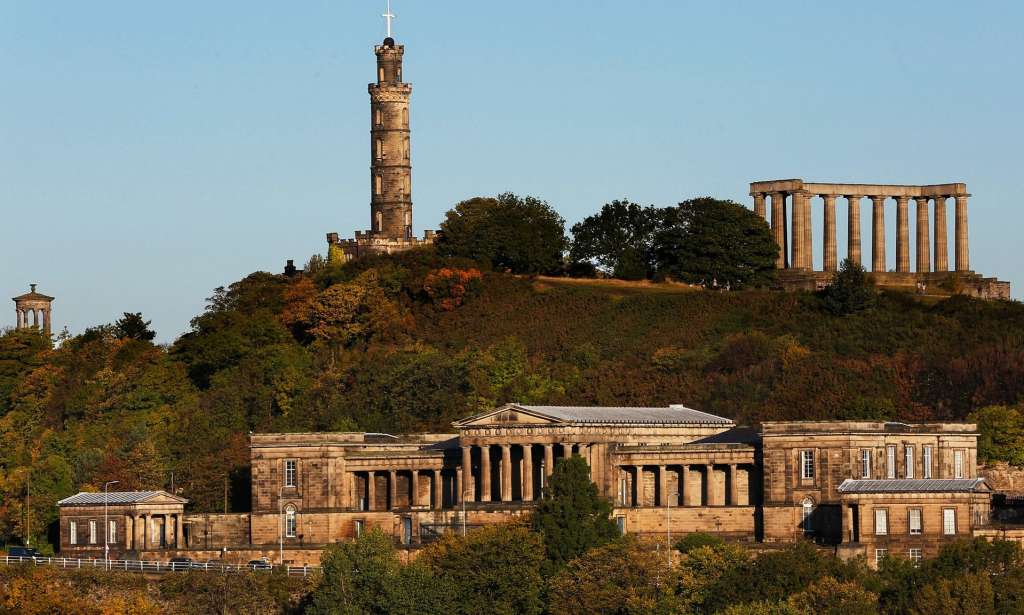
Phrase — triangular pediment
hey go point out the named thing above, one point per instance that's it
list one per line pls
(162, 497)
(509, 414)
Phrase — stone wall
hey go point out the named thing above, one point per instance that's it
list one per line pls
(1003, 478)
(212, 531)
(736, 522)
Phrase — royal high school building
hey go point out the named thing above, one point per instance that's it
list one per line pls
(867, 488)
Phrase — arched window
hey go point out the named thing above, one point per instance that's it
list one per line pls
(289, 521)
(399, 73)
(807, 515)
(379, 223)
(378, 117)
(378, 184)
(380, 149)
(380, 74)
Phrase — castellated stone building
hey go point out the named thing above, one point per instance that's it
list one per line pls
(931, 263)
(390, 166)
(861, 488)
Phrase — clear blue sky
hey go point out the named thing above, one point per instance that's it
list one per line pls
(149, 153)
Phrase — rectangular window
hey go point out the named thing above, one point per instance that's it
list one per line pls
(72, 532)
(949, 521)
(958, 464)
(926, 461)
(914, 521)
(92, 532)
(290, 473)
(620, 522)
(359, 527)
(290, 523)
(890, 462)
(915, 556)
(880, 554)
(807, 465)
(865, 463)
(111, 532)
(908, 461)
(881, 522)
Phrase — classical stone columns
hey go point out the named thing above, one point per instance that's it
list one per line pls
(779, 227)
(853, 229)
(709, 484)
(371, 490)
(902, 235)
(485, 473)
(797, 223)
(687, 491)
(527, 476)
(662, 486)
(506, 472)
(759, 208)
(549, 459)
(177, 531)
(941, 250)
(466, 488)
(734, 491)
(878, 234)
(392, 490)
(566, 450)
(808, 242)
(924, 263)
(828, 243)
(963, 260)
(438, 490)
(129, 532)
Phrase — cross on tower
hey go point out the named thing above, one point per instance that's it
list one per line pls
(388, 16)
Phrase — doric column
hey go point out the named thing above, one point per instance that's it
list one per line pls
(178, 531)
(466, 488)
(924, 263)
(566, 450)
(527, 487)
(941, 236)
(734, 492)
(963, 257)
(165, 531)
(506, 472)
(779, 227)
(138, 532)
(709, 484)
(808, 234)
(902, 235)
(485, 473)
(392, 489)
(129, 532)
(759, 205)
(147, 531)
(853, 229)
(687, 491)
(797, 231)
(549, 459)
(371, 490)
(878, 233)
(829, 255)
(662, 486)
(438, 490)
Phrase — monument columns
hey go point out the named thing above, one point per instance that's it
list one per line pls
(924, 264)
(392, 490)
(527, 488)
(371, 490)
(466, 489)
(828, 254)
(734, 491)
(178, 533)
(485, 473)
(902, 235)
(878, 234)
(808, 235)
(779, 227)
(438, 492)
(853, 229)
(506, 472)
(687, 495)
(963, 257)
(549, 459)
(759, 208)
(662, 486)
(941, 237)
(797, 231)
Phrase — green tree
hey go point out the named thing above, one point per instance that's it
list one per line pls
(495, 569)
(966, 594)
(1001, 436)
(133, 327)
(357, 577)
(520, 234)
(20, 353)
(621, 578)
(706, 240)
(828, 596)
(572, 516)
(696, 540)
(619, 238)
(850, 290)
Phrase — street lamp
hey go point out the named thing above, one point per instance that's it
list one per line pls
(106, 523)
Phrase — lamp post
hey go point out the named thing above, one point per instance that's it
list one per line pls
(280, 519)
(106, 523)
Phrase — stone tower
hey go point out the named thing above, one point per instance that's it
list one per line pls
(33, 310)
(390, 155)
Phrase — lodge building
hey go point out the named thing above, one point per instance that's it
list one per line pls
(866, 488)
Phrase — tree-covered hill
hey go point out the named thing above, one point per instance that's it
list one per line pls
(413, 342)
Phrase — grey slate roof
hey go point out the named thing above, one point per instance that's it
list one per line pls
(607, 414)
(912, 485)
(114, 497)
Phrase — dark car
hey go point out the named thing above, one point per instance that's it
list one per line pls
(259, 564)
(180, 564)
(27, 554)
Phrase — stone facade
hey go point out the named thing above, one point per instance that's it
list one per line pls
(931, 250)
(132, 522)
(390, 166)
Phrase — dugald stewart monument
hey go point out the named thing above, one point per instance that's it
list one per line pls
(701, 407)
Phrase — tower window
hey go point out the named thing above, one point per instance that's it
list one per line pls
(378, 184)
(399, 73)
(405, 116)
(380, 75)
(406, 148)
(378, 117)
(379, 221)
(380, 149)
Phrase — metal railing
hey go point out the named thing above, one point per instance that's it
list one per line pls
(152, 566)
